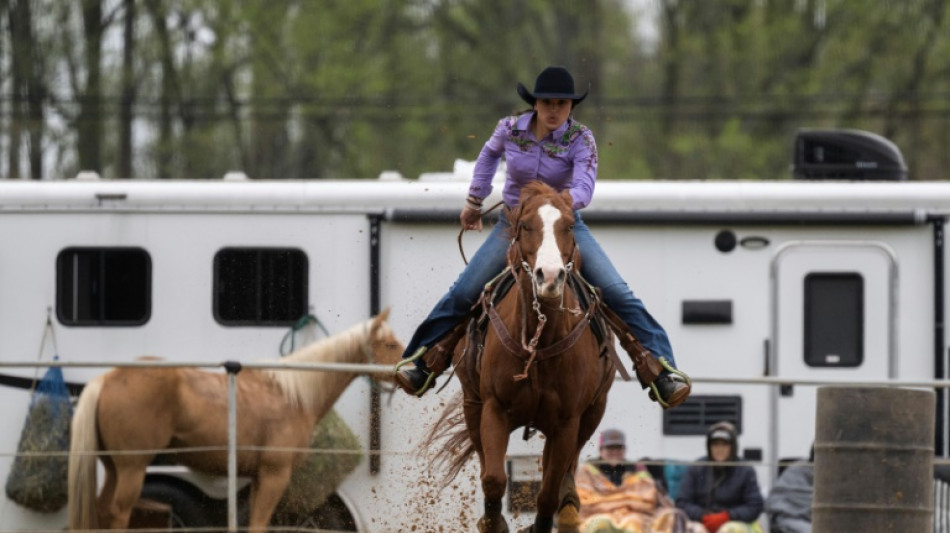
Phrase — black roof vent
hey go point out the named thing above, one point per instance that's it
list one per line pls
(847, 155)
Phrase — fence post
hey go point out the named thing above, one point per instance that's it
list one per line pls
(232, 368)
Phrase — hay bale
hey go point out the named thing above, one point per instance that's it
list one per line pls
(319, 475)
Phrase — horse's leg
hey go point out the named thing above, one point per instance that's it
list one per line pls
(568, 518)
(560, 452)
(129, 478)
(134, 414)
(107, 495)
(568, 515)
(494, 441)
(266, 491)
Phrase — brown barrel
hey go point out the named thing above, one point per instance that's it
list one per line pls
(873, 460)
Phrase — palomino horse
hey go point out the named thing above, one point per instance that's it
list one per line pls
(130, 409)
(542, 366)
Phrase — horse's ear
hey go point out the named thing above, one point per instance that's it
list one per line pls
(381, 317)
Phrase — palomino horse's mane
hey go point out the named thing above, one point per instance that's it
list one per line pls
(307, 387)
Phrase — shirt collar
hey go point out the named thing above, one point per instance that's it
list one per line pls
(524, 123)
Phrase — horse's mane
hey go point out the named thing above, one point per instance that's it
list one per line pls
(303, 387)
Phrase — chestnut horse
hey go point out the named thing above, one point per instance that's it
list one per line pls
(151, 409)
(542, 366)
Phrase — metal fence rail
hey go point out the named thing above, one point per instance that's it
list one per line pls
(233, 367)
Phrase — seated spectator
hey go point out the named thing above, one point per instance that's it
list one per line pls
(724, 497)
(789, 503)
(619, 496)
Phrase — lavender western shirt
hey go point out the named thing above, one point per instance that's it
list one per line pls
(565, 159)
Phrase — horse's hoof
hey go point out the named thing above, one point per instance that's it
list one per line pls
(568, 520)
(533, 528)
(492, 524)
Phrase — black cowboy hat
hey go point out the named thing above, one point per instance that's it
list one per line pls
(553, 82)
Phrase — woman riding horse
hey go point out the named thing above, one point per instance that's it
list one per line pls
(541, 364)
(543, 144)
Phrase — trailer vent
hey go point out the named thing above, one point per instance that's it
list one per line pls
(697, 413)
(707, 312)
(847, 155)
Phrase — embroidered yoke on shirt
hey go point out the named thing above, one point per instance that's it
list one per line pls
(565, 159)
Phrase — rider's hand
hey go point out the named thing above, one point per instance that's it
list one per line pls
(471, 218)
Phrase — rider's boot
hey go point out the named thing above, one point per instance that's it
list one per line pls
(670, 390)
(668, 386)
(414, 379)
(418, 378)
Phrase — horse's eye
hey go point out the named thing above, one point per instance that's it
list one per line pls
(571, 227)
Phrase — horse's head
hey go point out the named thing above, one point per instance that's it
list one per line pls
(543, 238)
(386, 348)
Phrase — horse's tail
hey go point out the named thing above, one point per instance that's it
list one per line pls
(449, 441)
(84, 442)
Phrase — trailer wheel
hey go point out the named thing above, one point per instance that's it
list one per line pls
(189, 507)
(333, 515)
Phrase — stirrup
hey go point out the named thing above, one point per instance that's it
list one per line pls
(411, 359)
(655, 391)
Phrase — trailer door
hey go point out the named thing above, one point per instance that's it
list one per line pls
(833, 318)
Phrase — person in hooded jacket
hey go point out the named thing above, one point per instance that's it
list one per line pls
(789, 503)
(721, 494)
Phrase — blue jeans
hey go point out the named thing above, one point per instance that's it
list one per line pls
(489, 261)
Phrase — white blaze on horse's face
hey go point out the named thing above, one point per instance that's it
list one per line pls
(549, 271)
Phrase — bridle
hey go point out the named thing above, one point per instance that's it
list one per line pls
(528, 349)
(568, 267)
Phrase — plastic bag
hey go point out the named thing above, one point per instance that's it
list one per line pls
(37, 480)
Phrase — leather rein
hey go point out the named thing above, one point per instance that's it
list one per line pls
(462, 231)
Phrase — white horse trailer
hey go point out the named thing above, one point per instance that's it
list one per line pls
(802, 281)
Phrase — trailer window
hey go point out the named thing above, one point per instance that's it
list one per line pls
(260, 286)
(103, 286)
(698, 412)
(834, 319)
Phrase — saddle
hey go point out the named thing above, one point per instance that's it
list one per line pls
(602, 320)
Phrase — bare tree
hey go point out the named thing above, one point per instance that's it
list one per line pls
(128, 91)
(169, 92)
(89, 121)
(28, 90)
